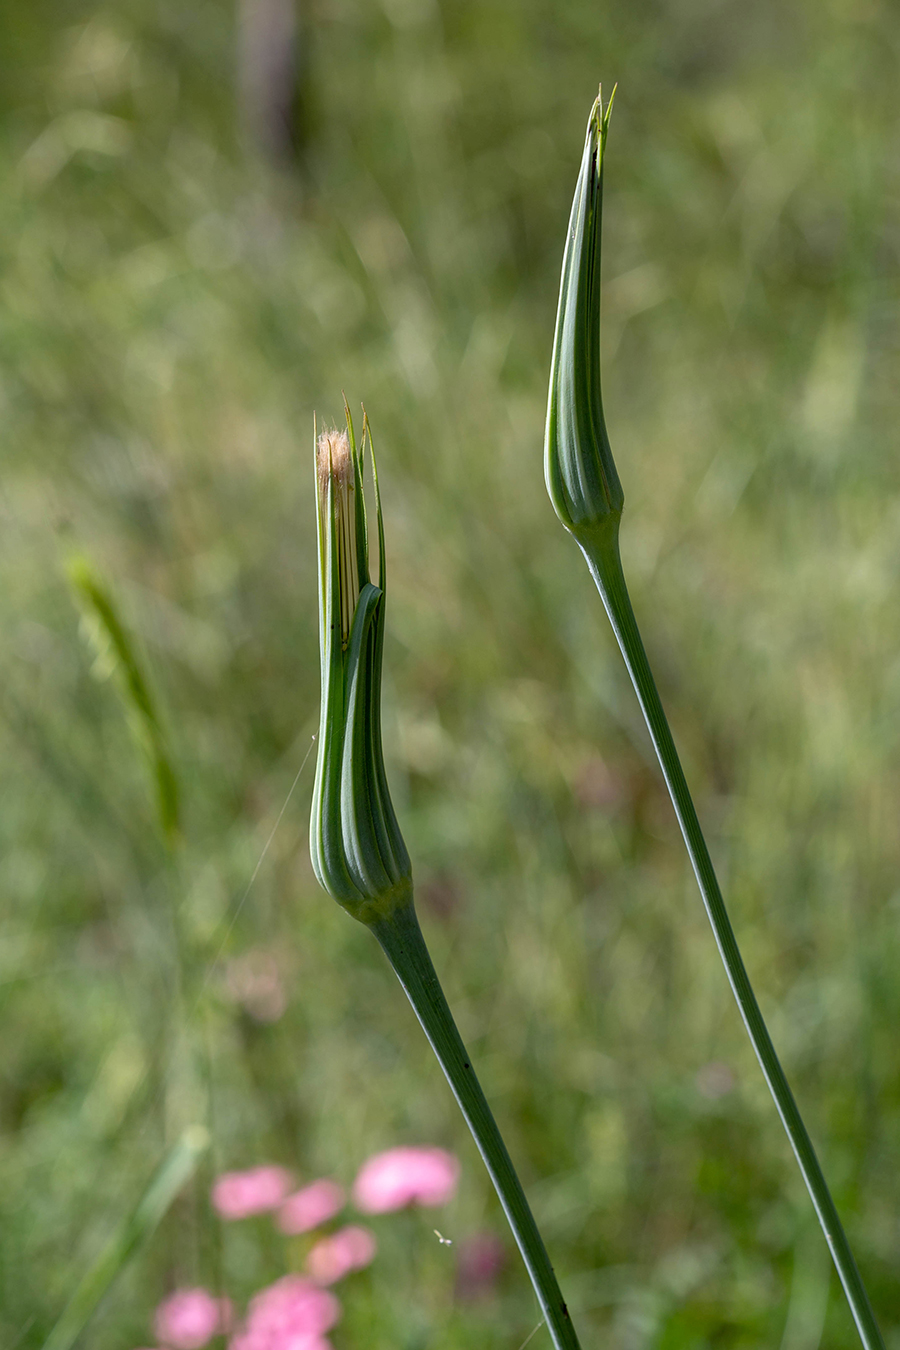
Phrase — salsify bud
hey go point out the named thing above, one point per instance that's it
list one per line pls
(578, 464)
(357, 851)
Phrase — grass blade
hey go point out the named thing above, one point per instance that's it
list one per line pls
(164, 1186)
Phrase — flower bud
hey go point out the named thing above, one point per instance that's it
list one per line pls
(357, 851)
(578, 464)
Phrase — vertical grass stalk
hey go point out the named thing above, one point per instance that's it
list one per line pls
(115, 653)
(586, 493)
(162, 1190)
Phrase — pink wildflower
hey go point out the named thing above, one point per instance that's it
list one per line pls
(190, 1318)
(237, 1194)
(314, 1204)
(292, 1314)
(405, 1176)
(334, 1257)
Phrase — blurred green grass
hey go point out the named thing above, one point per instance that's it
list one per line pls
(172, 310)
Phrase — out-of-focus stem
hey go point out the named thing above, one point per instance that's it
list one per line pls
(606, 569)
(402, 941)
(167, 1181)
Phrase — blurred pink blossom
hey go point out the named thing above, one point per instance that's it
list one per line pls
(405, 1176)
(334, 1257)
(237, 1194)
(481, 1260)
(314, 1204)
(254, 980)
(292, 1314)
(191, 1317)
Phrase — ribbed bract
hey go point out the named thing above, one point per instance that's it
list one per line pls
(578, 464)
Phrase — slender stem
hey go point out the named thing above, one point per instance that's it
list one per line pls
(404, 946)
(606, 569)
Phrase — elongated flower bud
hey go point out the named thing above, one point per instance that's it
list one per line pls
(578, 464)
(357, 851)
(335, 470)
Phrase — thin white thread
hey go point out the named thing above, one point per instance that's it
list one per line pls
(531, 1334)
(230, 929)
(165, 1075)
(234, 918)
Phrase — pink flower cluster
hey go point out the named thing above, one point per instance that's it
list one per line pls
(333, 1257)
(296, 1311)
(387, 1181)
(292, 1314)
(313, 1205)
(405, 1176)
(237, 1195)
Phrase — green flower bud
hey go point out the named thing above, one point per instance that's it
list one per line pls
(358, 854)
(578, 464)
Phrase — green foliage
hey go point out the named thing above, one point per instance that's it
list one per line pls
(115, 654)
(171, 314)
(169, 1178)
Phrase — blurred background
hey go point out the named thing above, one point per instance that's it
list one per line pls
(212, 221)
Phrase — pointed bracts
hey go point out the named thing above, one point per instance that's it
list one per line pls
(578, 464)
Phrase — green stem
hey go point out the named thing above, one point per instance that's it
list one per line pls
(606, 569)
(404, 946)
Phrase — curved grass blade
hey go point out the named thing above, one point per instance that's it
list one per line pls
(115, 654)
(167, 1181)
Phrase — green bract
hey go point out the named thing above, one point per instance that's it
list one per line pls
(357, 851)
(578, 464)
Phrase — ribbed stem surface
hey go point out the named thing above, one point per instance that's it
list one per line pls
(404, 946)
